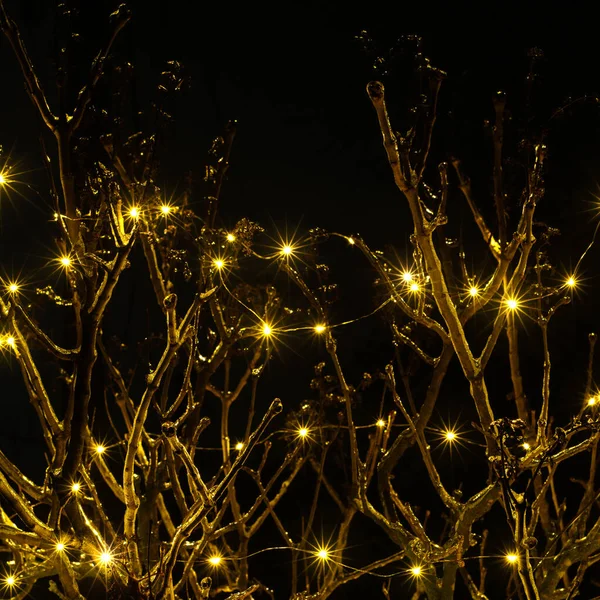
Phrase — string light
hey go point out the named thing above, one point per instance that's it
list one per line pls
(287, 250)
(380, 423)
(407, 276)
(323, 554)
(215, 560)
(3, 180)
(512, 558)
(65, 261)
(571, 282)
(450, 436)
(60, 546)
(473, 291)
(134, 212)
(106, 558)
(526, 446)
(415, 287)
(303, 432)
(230, 237)
(351, 240)
(266, 330)
(218, 263)
(13, 288)
(512, 303)
(416, 571)
(239, 446)
(9, 340)
(592, 401)
(76, 487)
(10, 581)
(319, 328)
(165, 209)
(99, 449)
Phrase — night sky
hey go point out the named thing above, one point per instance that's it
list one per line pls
(308, 150)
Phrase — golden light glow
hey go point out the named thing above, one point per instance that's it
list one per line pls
(165, 209)
(65, 261)
(99, 449)
(319, 328)
(287, 250)
(2, 179)
(473, 291)
(407, 276)
(134, 212)
(13, 288)
(9, 340)
(230, 237)
(218, 263)
(512, 558)
(571, 282)
(303, 432)
(106, 558)
(380, 423)
(512, 303)
(416, 571)
(76, 487)
(351, 241)
(60, 546)
(239, 446)
(526, 446)
(323, 554)
(592, 401)
(215, 560)
(415, 287)
(266, 330)
(10, 580)
(449, 435)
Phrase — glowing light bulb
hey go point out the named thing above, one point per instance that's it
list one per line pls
(351, 241)
(13, 288)
(526, 446)
(239, 446)
(287, 250)
(10, 581)
(450, 436)
(65, 261)
(407, 276)
(512, 558)
(218, 263)
(319, 328)
(230, 237)
(267, 330)
(414, 287)
(165, 209)
(76, 487)
(106, 558)
(134, 212)
(2, 179)
(60, 546)
(380, 423)
(99, 449)
(571, 282)
(10, 341)
(215, 560)
(303, 432)
(512, 303)
(416, 571)
(473, 291)
(323, 554)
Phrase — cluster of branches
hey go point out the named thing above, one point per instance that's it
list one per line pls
(148, 514)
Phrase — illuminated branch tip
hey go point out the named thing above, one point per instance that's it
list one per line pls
(351, 240)
(526, 446)
(380, 423)
(239, 446)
